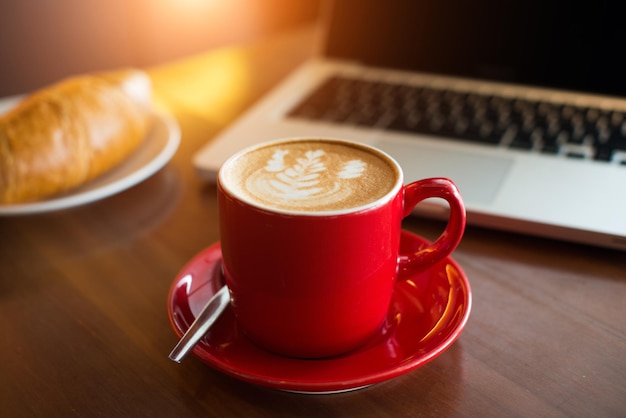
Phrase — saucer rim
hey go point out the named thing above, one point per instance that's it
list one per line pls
(327, 386)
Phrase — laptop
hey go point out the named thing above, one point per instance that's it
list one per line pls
(521, 103)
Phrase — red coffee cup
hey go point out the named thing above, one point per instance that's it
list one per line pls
(310, 237)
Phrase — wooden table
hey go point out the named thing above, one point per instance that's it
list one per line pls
(83, 319)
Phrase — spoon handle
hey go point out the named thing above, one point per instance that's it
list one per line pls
(211, 311)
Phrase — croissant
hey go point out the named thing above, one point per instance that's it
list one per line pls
(65, 135)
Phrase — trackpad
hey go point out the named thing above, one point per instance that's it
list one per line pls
(478, 176)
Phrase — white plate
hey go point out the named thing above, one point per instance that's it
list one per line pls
(157, 149)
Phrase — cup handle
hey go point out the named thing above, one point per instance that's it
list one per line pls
(418, 191)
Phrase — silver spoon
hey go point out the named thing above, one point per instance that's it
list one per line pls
(211, 311)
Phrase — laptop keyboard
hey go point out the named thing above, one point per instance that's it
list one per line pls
(549, 128)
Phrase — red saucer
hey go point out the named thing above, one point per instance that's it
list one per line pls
(428, 313)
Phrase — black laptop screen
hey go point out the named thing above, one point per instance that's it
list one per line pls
(561, 44)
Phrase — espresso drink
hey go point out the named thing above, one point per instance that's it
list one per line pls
(310, 176)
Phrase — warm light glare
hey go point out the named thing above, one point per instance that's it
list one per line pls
(191, 4)
(211, 83)
(210, 86)
(177, 29)
(191, 8)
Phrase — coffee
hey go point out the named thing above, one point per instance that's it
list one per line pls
(310, 175)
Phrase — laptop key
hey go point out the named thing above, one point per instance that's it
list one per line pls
(603, 152)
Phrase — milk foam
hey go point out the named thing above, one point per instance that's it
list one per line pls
(311, 175)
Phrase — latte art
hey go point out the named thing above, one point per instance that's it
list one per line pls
(311, 175)
(306, 181)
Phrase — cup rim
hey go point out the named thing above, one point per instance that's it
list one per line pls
(324, 213)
